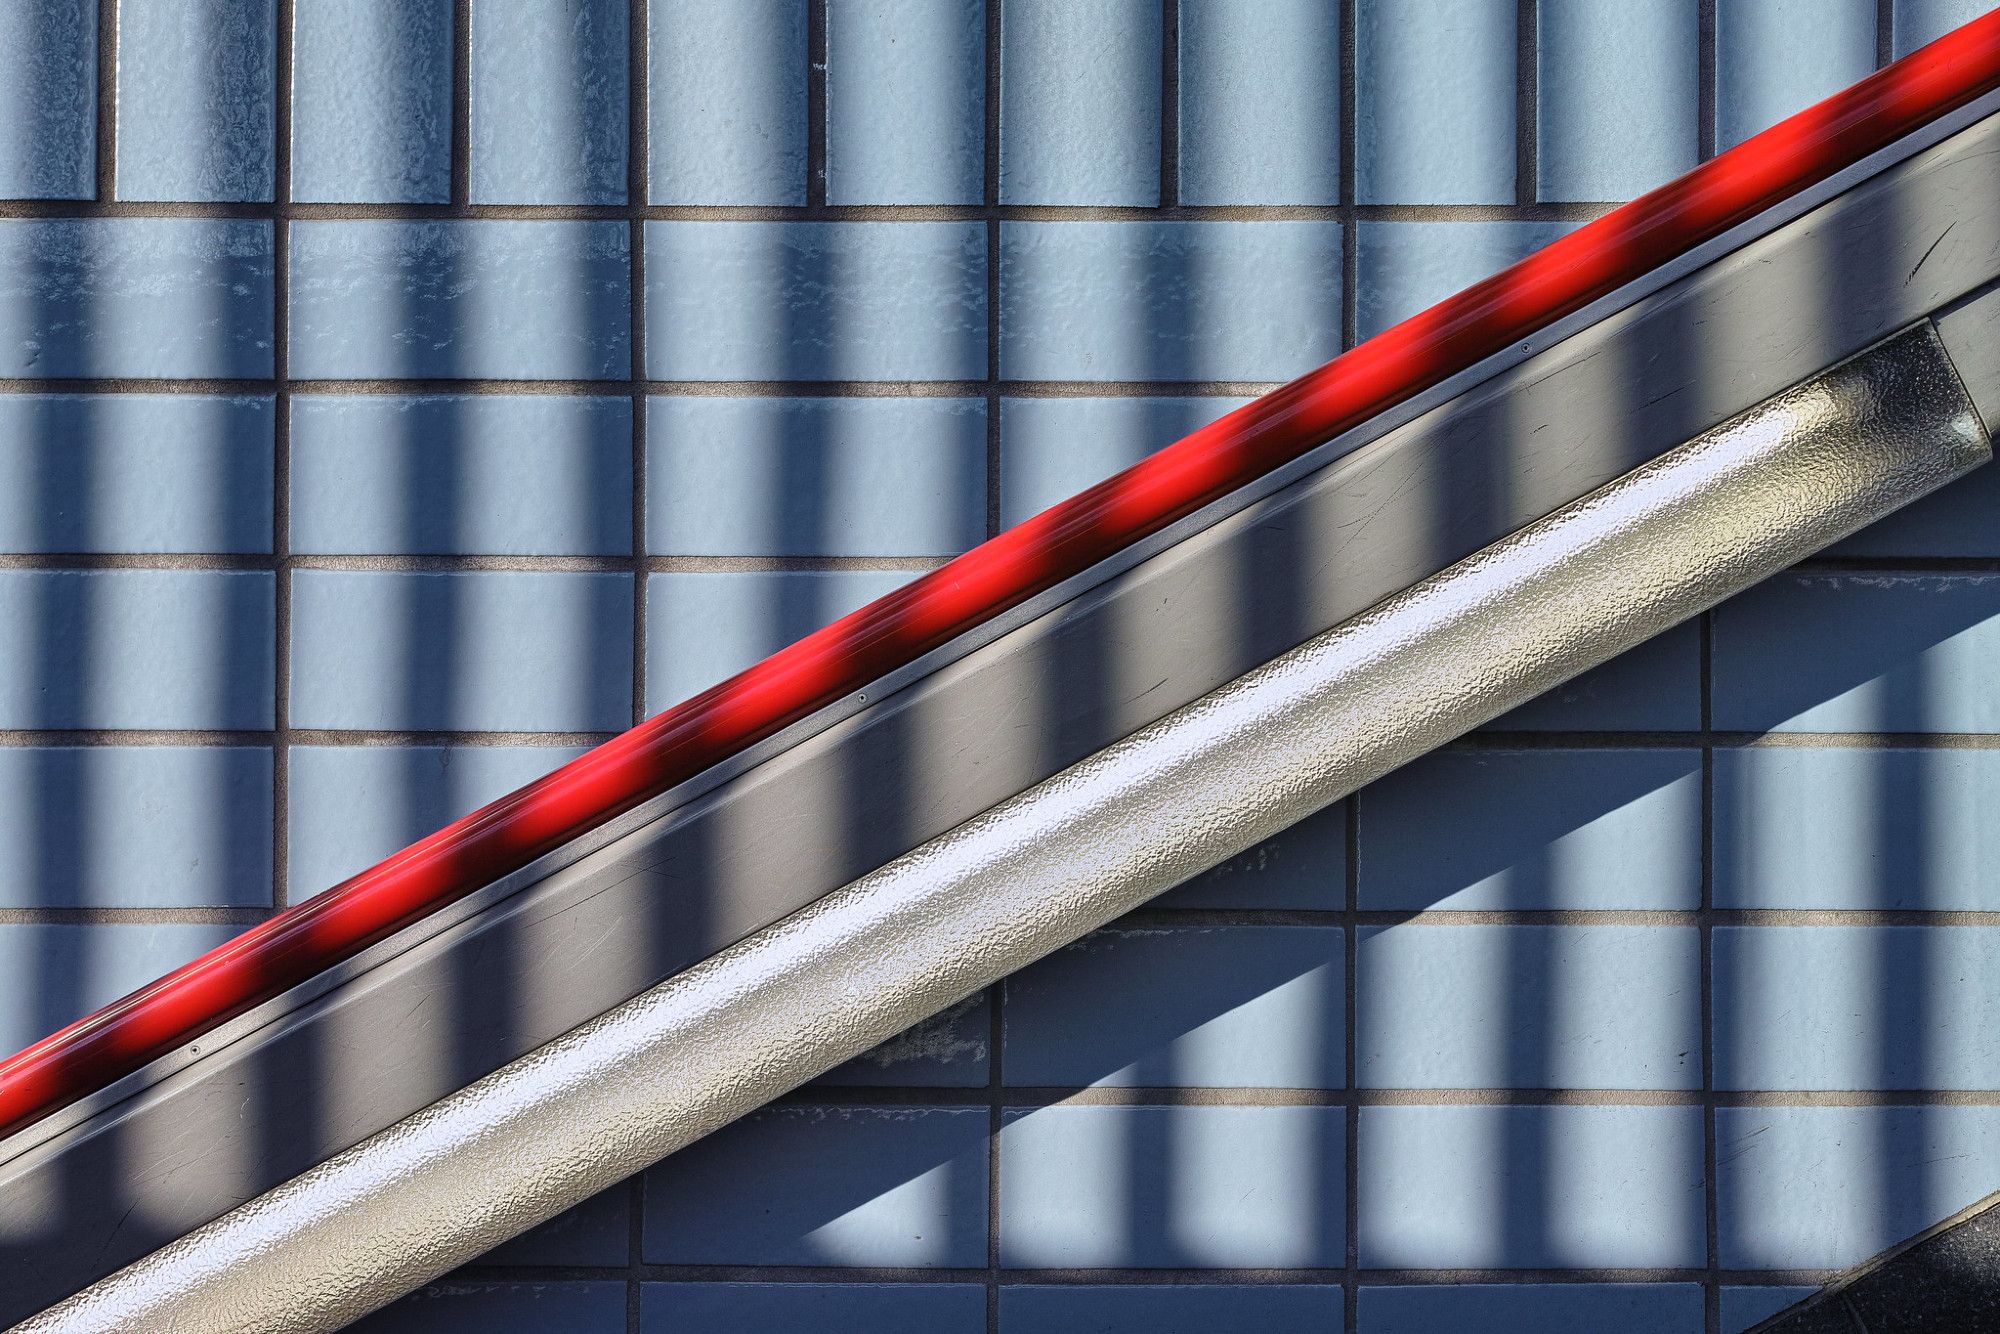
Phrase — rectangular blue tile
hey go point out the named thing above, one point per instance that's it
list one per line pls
(1922, 21)
(480, 473)
(493, 651)
(726, 98)
(1534, 829)
(1182, 1007)
(947, 1050)
(1962, 519)
(1774, 57)
(815, 476)
(595, 1232)
(551, 100)
(196, 95)
(815, 301)
(1653, 688)
(702, 627)
(1616, 96)
(1304, 867)
(1495, 1187)
(1183, 1308)
(48, 125)
(492, 299)
(1857, 1007)
(135, 827)
(135, 473)
(1539, 1007)
(834, 1186)
(1080, 89)
(905, 102)
(163, 298)
(1186, 1187)
(1829, 1187)
(371, 102)
(1744, 1307)
(1532, 1308)
(351, 806)
(1255, 301)
(1407, 267)
(1052, 448)
(1435, 102)
(456, 1306)
(1259, 102)
(792, 1308)
(136, 648)
(1857, 827)
(59, 972)
(1860, 653)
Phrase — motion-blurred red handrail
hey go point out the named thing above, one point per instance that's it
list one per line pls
(1001, 573)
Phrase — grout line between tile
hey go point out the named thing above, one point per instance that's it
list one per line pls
(638, 192)
(107, 103)
(990, 212)
(1711, 1164)
(996, 1028)
(1348, 210)
(1351, 1030)
(1705, 79)
(281, 458)
(859, 1274)
(638, 188)
(1560, 211)
(461, 124)
(1348, 149)
(1170, 104)
(1527, 103)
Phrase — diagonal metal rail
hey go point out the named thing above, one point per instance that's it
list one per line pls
(1664, 542)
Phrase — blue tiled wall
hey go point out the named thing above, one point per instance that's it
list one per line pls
(446, 474)
(1172, 301)
(490, 299)
(196, 104)
(393, 405)
(1617, 95)
(905, 94)
(48, 119)
(136, 298)
(371, 102)
(1774, 57)
(1435, 102)
(1080, 95)
(550, 98)
(1172, 1187)
(1260, 102)
(726, 102)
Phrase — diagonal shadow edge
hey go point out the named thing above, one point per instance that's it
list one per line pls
(1586, 266)
(1945, 1279)
(1661, 543)
(1390, 503)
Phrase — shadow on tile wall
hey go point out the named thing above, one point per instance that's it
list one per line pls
(600, 348)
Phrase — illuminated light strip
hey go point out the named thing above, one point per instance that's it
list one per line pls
(1700, 523)
(1002, 573)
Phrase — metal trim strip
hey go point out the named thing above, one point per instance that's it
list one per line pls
(1659, 544)
(1065, 540)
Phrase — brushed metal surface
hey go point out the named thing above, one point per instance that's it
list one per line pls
(1662, 543)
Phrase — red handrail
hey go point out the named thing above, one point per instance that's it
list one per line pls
(1003, 572)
